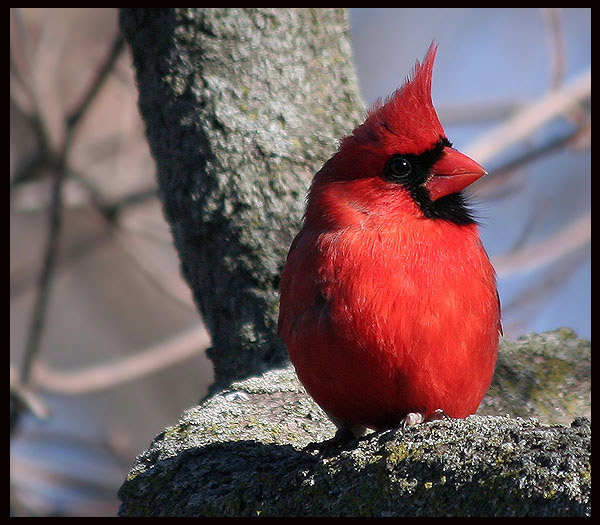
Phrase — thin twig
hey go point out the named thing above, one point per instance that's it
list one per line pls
(568, 239)
(495, 187)
(556, 44)
(103, 72)
(38, 317)
(26, 398)
(111, 210)
(531, 118)
(528, 302)
(18, 56)
(184, 299)
(45, 157)
(94, 378)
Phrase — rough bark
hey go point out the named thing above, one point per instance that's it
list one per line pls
(259, 448)
(241, 106)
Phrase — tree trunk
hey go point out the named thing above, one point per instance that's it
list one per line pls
(241, 107)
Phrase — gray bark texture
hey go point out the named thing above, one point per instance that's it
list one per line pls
(262, 448)
(242, 107)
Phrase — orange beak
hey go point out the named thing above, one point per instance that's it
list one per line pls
(452, 173)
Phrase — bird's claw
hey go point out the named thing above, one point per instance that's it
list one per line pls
(412, 419)
(415, 418)
(437, 414)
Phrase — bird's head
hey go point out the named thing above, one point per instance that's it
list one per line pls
(399, 162)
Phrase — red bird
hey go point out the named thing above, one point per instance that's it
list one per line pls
(389, 307)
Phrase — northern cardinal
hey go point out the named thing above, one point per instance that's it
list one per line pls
(389, 308)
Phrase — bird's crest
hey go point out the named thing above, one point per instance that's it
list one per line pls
(408, 113)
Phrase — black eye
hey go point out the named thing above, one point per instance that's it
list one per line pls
(398, 168)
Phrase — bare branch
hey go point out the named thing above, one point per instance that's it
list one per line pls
(26, 397)
(103, 72)
(530, 300)
(556, 43)
(104, 376)
(18, 62)
(496, 187)
(180, 294)
(570, 238)
(532, 117)
(59, 162)
(36, 326)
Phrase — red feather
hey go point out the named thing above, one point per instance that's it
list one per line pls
(388, 302)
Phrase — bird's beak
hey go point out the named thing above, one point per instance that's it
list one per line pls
(452, 173)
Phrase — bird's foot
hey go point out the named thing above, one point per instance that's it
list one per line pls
(415, 418)
(437, 414)
(412, 419)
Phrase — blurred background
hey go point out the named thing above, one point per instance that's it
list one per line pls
(106, 346)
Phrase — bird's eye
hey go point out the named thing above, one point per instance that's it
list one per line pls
(398, 168)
